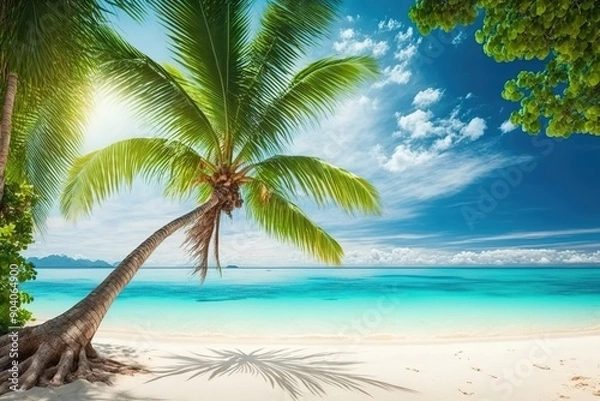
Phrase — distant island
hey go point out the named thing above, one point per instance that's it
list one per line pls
(54, 261)
(232, 267)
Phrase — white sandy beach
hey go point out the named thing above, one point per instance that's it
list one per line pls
(527, 369)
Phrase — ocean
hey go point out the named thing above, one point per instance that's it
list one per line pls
(358, 304)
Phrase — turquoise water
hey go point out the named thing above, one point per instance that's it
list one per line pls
(351, 303)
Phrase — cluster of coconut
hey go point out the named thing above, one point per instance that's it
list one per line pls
(227, 189)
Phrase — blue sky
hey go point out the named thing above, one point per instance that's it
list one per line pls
(460, 185)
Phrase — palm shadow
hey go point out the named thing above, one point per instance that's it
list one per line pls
(290, 370)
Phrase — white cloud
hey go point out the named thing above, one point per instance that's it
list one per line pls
(406, 54)
(380, 48)
(402, 159)
(418, 123)
(496, 257)
(352, 18)
(403, 36)
(426, 164)
(474, 129)
(398, 74)
(347, 34)
(443, 144)
(458, 39)
(352, 42)
(389, 25)
(427, 97)
(422, 124)
(507, 127)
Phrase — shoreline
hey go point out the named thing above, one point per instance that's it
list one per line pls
(316, 339)
(376, 339)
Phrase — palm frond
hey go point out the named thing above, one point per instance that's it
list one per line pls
(46, 38)
(286, 222)
(321, 181)
(99, 174)
(153, 93)
(313, 93)
(185, 83)
(135, 8)
(55, 141)
(209, 38)
(288, 29)
(48, 131)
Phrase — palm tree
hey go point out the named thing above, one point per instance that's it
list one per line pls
(226, 116)
(45, 86)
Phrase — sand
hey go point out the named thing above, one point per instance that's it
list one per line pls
(527, 369)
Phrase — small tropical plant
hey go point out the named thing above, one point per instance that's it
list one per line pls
(226, 114)
(16, 234)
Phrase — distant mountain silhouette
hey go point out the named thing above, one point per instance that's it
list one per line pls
(66, 261)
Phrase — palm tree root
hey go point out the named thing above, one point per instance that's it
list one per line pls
(51, 361)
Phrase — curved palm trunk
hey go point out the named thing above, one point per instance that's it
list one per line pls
(60, 349)
(6, 126)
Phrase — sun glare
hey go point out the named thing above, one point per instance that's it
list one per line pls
(110, 120)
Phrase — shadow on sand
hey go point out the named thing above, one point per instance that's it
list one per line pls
(291, 370)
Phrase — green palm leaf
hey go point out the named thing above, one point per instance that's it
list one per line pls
(45, 38)
(97, 175)
(47, 133)
(135, 8)
(53, 143)
(323, 182)
(313, 93)
(286, 222)
(209, 38)
(288, 29)
(154, 94)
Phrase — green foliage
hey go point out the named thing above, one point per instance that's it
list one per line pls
(48, 44)
(104, 172)
(230, 105)
(314, 92)
(285, 221)
(564, 33)
(324, 183)
(16, 234)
